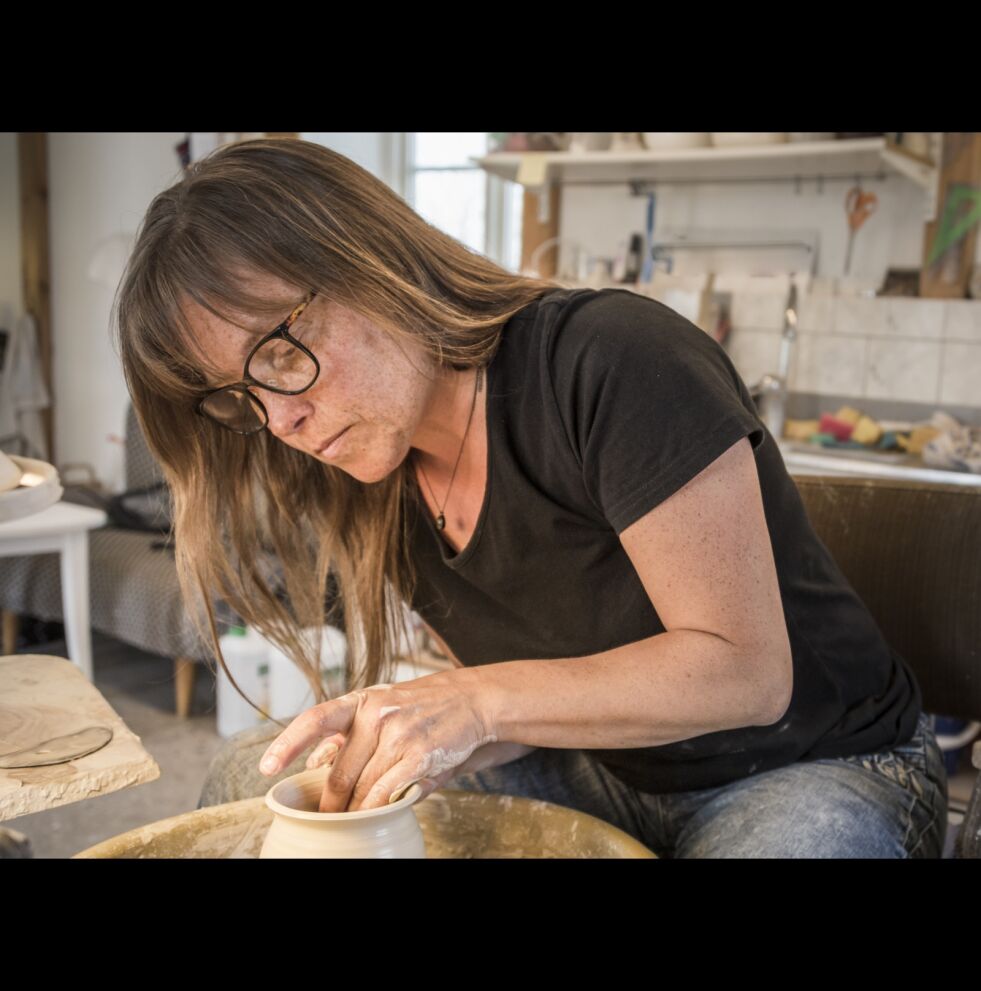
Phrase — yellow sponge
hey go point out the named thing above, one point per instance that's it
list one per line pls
(867, 430)
(800, 429)
(849, 415)
(919, 438)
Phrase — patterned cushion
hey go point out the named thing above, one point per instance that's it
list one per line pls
(133, 592)
(141, 467)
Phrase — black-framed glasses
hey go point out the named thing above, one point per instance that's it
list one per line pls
(279, 363)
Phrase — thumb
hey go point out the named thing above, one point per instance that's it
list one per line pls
(427, 785)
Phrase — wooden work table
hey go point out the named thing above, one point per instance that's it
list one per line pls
(43, 697)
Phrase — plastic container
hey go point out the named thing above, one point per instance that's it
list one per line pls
(247, 655)
(289, 691)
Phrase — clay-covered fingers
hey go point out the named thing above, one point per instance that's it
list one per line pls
(393, 785)
(325, 720)
(355, 766)
(325, 751)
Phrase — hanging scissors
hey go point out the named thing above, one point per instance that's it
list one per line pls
(859, 206)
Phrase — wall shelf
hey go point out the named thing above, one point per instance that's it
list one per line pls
(820, 161)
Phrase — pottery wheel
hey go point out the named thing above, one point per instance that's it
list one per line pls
(454, 823)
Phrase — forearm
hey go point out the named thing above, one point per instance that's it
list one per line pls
(669, 687)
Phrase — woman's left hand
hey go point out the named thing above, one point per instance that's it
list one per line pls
(389, 736)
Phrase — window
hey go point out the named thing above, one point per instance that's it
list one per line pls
(432, 171)
(460, 198)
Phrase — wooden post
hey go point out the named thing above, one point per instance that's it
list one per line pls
(11, 627)
(949, 241)
(184, 670)
(534, 233)
(32, 152)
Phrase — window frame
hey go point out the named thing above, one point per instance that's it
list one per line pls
(498, 200)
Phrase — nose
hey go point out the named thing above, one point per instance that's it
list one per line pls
(287, 414)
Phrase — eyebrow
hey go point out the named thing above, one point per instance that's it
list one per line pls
(212, 375)
(257, 332)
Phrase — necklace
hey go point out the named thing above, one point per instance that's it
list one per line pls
(441, 519)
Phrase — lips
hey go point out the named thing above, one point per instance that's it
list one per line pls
(323, 447)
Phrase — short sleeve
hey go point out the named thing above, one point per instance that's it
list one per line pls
(647, 399)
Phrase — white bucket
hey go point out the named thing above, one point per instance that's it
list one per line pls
(247, 655)
(290, 692)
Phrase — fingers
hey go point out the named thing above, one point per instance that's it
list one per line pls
(326, 719)
(325, 751)
(351, 764)
(392, 785)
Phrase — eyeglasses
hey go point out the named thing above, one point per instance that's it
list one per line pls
(279, 363)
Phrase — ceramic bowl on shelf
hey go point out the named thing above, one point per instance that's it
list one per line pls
(744, 139)
(580, 141)
(626, 142)
(667, 140)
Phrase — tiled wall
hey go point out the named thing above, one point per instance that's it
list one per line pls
(874, 348)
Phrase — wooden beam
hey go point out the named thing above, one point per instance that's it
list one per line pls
(949, 241)
(32, 153)
(534, 233)
(184, 670)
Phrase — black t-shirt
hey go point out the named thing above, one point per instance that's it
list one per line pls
(602, 404)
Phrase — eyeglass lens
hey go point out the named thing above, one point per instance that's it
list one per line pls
(278, 365)
(236, 409)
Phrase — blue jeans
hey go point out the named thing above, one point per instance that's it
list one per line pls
(890, 803)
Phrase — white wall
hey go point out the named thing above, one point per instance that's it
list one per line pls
(100, 185)
(602, 218)
(10, 273)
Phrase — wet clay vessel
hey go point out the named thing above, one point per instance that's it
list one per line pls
(299, 830)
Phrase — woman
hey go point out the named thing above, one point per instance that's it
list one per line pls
(571, 487)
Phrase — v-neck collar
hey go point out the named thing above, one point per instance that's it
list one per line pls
(449, 557)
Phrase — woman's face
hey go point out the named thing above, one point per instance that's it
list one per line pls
(371, 387)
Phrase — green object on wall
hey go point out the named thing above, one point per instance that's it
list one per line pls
(952, 226)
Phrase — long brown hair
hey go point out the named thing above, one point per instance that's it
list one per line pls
(257, 523)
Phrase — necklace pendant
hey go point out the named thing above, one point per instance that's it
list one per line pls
(440, 521)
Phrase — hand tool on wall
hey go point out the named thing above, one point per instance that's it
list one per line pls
(859, 206)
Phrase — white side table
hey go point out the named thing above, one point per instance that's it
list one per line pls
(64, 528)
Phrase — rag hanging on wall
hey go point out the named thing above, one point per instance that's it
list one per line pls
(23, 394)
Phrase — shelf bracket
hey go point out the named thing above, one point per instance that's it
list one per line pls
(918, 170)
(543, 194)
(533, 175)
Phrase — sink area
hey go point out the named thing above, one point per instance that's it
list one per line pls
(852, 453)
(802, 458)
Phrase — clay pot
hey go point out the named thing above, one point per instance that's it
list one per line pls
(299, 830)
